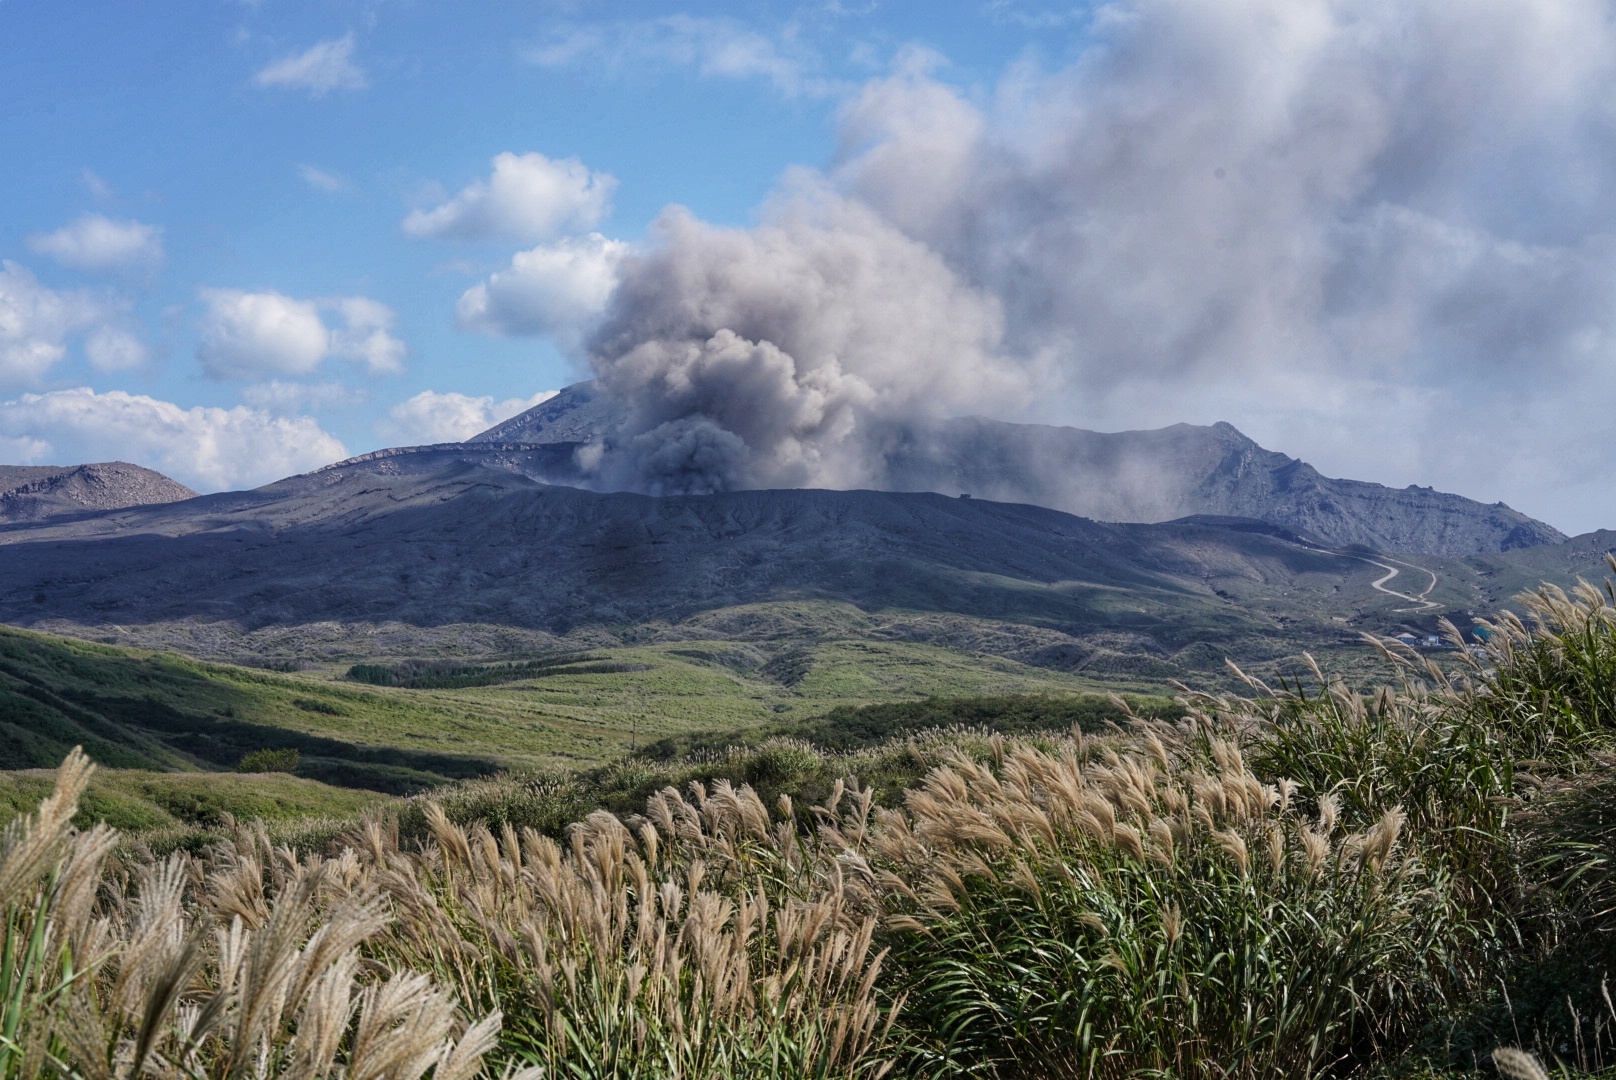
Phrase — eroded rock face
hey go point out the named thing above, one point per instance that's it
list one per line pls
(1127, 476)
(36, 492)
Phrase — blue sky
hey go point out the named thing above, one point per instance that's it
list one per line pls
(170, 116)
(241, 239)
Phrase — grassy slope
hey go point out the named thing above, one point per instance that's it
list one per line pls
(134, 709)
(159, 711)
(138, 800)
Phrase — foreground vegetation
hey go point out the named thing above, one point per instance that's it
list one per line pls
(1305, 881)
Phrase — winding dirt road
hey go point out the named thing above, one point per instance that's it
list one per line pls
(1420, 600)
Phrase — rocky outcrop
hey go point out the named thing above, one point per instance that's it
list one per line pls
(578, 414)
(37, 492)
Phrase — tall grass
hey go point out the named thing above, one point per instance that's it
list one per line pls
(1104, 914)
(165, 970)
(708, 940)
(1308, 882)
(1550, 681)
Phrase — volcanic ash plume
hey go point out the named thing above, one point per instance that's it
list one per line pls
(1373, 232)
(775, 356)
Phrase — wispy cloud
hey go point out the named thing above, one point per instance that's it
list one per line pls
(319, 69)
(1039, 17)
(715, 48)
(320, 180)
(97, 186)
(94, 242)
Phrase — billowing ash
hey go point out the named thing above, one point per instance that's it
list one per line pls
(1375, 232)
(770, 357)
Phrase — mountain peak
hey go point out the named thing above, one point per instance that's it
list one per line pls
(1144, 476)
(34, 492)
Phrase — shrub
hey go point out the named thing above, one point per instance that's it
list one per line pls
(268, 760)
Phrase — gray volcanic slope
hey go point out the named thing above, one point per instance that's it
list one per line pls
(33, 492)
(454, 534)
(1142, 476)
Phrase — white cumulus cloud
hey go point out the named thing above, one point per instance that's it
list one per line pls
(431, 417)
(319, 69)
(207, 448)
(527, 197)
(557, 289)
(366, 335)
(248, 335)
(36, 322)
(94, 242)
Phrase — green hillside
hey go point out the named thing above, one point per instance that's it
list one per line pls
(139, 801)
(132, 709)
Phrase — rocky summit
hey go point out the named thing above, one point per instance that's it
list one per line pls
(1152, 476)
(36, 492)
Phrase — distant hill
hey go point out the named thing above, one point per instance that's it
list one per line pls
(452, 533)
(33, 492)
(154, 711)
(450, 545)
(471, 534)
(1128, 476)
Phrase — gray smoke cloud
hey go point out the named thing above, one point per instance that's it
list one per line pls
(1375, 233)
(767, 357)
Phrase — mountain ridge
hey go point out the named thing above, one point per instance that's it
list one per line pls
(1147, 476)
(447, 535)
(465, 543)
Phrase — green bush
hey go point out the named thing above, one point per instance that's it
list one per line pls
(267, 760)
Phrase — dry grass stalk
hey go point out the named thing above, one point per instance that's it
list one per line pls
(203, 968)
(701, 940)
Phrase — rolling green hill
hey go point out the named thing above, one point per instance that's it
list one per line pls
(139, 800)
(133, 709)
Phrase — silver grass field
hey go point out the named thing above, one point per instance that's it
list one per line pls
(1299, 882)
